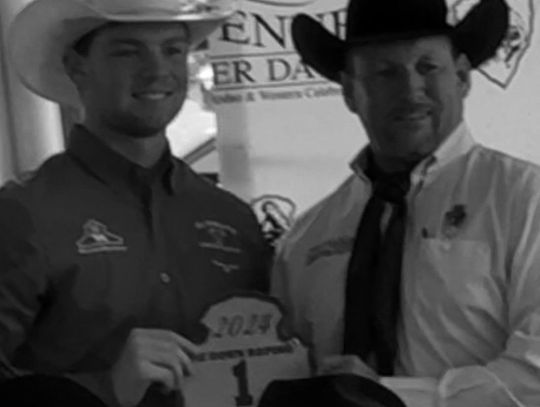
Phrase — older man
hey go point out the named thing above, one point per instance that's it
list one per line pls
(425, 263)
(112, 251)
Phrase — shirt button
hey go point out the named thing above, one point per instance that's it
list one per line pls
(165, 278)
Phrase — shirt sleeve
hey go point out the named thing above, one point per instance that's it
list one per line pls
(23, 284)
(23, 293)
(280, 280)
(262, 253)
(279, 283)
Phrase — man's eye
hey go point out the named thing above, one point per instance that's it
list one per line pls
(175, 51)
(385, 72)
(428, 67)
(124, 52)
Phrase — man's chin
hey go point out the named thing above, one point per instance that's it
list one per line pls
(141, 127)
(407, 155)
(145, 132)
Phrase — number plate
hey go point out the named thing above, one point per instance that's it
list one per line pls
(244, 351)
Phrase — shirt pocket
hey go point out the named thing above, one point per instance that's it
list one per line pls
(455, 271)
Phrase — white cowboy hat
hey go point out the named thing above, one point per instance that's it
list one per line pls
(40, 34)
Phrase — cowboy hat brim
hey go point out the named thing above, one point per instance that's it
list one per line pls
(343, 390)
(478, 36)
(40, 33)
(46, 391)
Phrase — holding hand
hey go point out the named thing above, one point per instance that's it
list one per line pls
(151, 356)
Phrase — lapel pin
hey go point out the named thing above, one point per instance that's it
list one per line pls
(454, 220)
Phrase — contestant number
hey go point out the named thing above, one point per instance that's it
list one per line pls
(242, 325)
(244, 398)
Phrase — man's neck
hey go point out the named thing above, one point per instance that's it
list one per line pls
(144, 151)
(391, 165)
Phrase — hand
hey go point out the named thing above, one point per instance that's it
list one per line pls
(346, 364)
(151, 356)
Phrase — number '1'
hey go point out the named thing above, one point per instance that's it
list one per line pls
(240, 372)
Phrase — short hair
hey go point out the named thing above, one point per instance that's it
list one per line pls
(82, 45)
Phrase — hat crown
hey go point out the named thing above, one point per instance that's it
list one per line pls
(150, 7)
(41, 31)
(374, 18)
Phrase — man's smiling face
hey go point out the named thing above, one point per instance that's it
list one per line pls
(134, 77)
(408, 94)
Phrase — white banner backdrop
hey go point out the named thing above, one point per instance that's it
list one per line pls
(284, 131)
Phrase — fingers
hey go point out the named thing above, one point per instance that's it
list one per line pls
(151, 356)
(177, 362)
(168, 336)
(166, 349)
(185, 362)
(186, 344)
(162, 375)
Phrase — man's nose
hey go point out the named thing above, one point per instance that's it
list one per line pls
(412, 83)
(154, 64)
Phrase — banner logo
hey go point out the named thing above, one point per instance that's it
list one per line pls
(257, 61)
(275, 215)
(502, 68)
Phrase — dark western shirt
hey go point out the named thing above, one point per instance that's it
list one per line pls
(92, 246)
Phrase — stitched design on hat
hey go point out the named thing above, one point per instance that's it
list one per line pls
(149, 7)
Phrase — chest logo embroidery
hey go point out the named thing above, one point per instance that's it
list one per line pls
(97, 238)
(218, 236)
(227, 268)
(454, 220)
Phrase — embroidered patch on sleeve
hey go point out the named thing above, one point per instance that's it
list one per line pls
(334, 247)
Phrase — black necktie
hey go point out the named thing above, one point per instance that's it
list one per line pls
(372, 295)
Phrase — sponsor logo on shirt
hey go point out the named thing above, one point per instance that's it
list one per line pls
(227, 268)
(218, 236)
(334, 247)
(97, 238)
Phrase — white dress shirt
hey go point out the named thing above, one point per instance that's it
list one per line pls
(469, 334)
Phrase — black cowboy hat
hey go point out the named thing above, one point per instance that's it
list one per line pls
(46, 391)
(477, 35)
(345, 390)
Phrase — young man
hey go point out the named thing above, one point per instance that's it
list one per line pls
(425, 263)
(113, 250)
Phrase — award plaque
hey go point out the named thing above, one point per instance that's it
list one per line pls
(245, 350)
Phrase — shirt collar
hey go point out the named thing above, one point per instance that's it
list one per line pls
(458, 143)
(114, 169)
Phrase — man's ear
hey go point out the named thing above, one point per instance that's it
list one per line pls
(75, 67)
(347, 86)
(463, 70)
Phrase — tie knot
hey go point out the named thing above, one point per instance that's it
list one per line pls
(392, 188)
